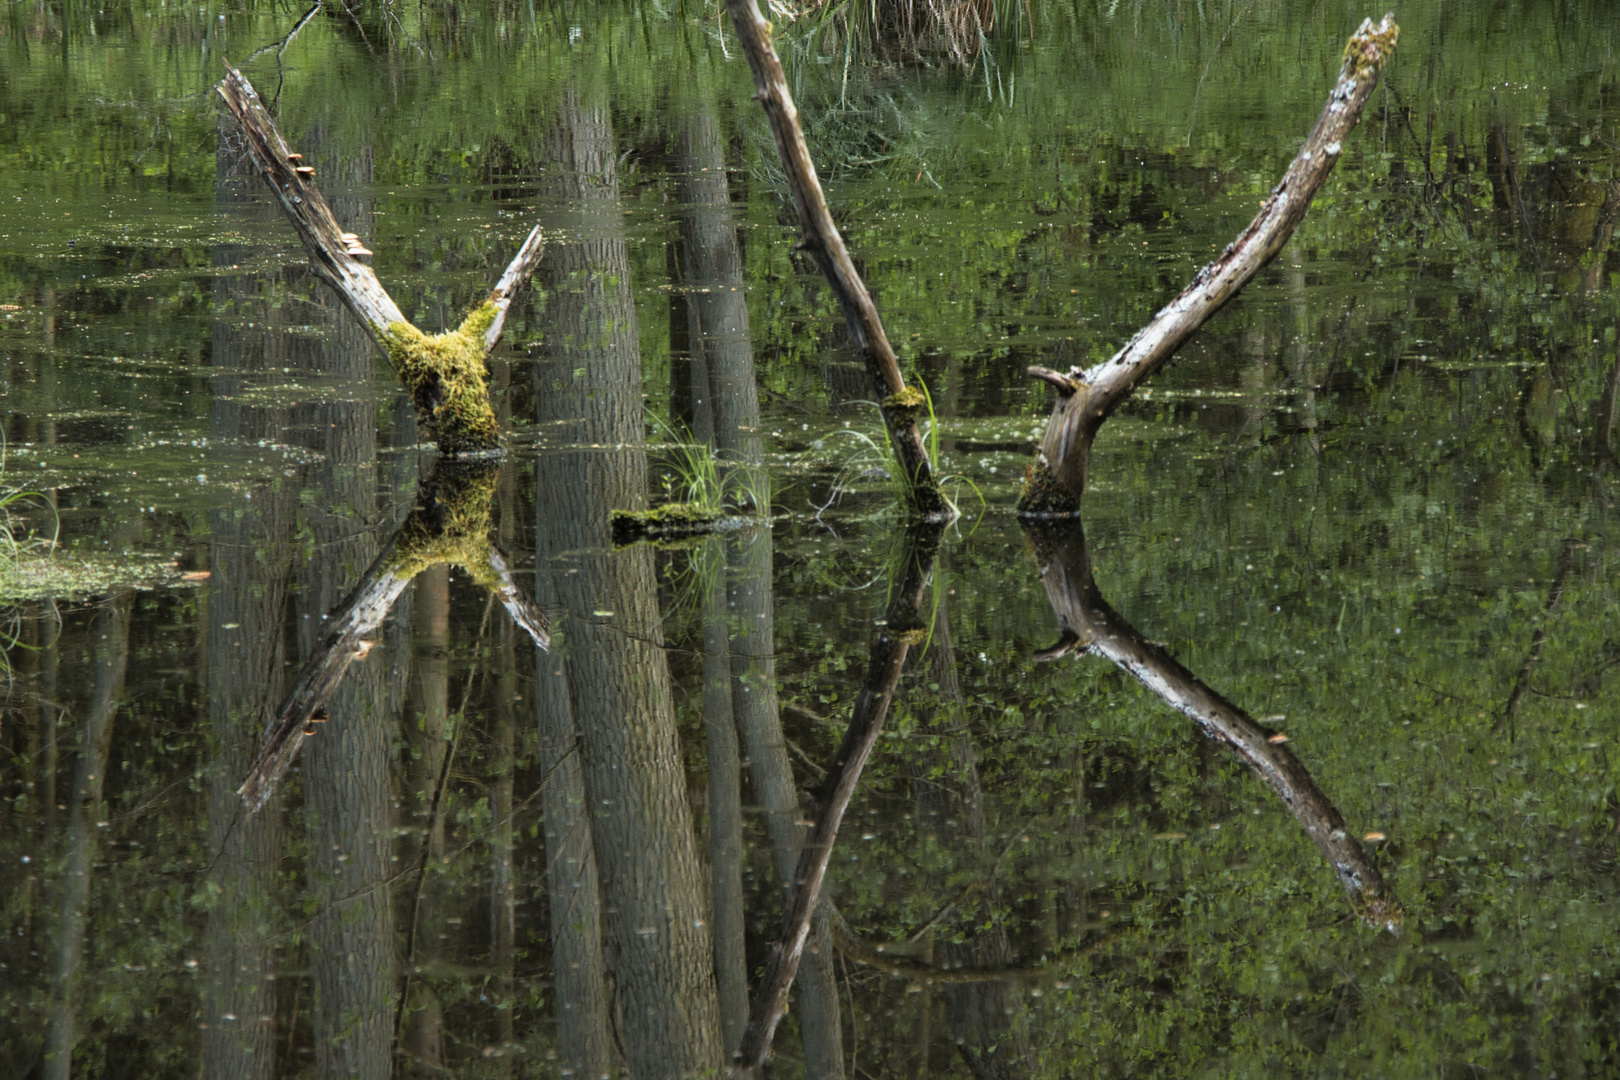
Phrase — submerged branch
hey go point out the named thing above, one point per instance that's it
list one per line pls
(900, 404)
(1086, 398)
(1088, 625)
(450, 523)
(443, 373)
(902, 629)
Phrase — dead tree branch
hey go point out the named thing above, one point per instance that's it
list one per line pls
(899, 403)
(1088, 625)
(443, 373)
(1086, 398)
(450, 523)
(902, 629)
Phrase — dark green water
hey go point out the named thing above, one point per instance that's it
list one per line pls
(1371, 504)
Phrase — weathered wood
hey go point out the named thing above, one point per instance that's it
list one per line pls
(1088, 625)
(899, 403)
(1086, 398)
(903, 628)
(449, 524)
(443, 373)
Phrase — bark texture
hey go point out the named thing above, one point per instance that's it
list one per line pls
(659, 950)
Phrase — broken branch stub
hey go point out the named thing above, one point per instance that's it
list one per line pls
(443, 373)
(899, 403)
(1086, 398)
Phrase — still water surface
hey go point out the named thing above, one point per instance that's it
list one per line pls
(1369, 508)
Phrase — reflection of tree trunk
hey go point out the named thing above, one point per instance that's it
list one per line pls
(502, 883)
(722, 350)
(1088, 624)
(902, 628)
(725, 800)
(658, 944)
(427, 718)
(249, 557)
(982, 1015)
(347, 793)
(112, 656)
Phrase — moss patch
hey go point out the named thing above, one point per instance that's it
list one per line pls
(444, 374)
(1368, 51)
(671, 519)
(909, 399)
(451, 524)
(1044, 497)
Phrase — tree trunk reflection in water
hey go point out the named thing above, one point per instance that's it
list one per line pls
(726, 402)
(95, 742)
(618, 687)
(984, 1017)
(427, 720)
(249, 557)
(347, 795)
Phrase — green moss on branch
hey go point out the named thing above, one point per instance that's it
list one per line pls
(444, 374)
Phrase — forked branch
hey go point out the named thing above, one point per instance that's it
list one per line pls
(450, 523)
(443, 373)
(900, 404)
(1086, 398)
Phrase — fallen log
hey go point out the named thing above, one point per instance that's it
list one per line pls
(443, 373)
(450, 523)
(1087, 398)
(900, 404)
(1087, 624)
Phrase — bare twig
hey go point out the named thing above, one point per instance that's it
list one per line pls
(1087, 398)
(900, 404)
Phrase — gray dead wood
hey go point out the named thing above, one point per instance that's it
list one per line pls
(1086, 398)
(899, 403)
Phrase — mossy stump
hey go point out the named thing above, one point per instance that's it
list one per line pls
(445, 377)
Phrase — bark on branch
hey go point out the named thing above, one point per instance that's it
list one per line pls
(902, 628)
(1088, 625)
(443, 373)
(1086, 398)
(899, 403)
(449, 524)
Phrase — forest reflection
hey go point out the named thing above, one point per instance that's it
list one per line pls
(750, 801)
